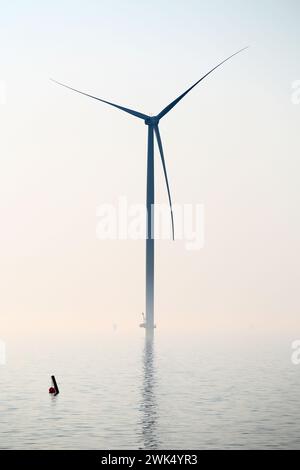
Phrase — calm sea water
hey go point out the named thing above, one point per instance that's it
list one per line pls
(174, 393)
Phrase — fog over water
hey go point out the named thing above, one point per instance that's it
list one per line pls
(219, 372)
(124, 392)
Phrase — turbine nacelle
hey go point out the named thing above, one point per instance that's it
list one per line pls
(152, 121)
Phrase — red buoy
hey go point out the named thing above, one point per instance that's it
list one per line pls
(52, 390)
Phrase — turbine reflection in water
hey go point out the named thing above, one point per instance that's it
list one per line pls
(148, 399)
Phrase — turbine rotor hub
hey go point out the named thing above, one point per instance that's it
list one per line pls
(151, 121)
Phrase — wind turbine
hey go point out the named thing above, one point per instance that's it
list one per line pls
(153, 130)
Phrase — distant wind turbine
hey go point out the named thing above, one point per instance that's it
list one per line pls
(152, 123)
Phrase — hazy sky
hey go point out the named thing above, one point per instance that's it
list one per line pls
(232, 144)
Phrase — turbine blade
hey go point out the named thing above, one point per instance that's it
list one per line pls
(127, 110)
(171, 105)
(159, 142)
